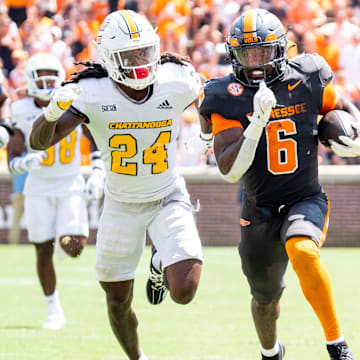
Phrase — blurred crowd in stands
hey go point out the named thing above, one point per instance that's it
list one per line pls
(196, 28)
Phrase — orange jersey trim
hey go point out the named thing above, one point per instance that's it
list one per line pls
(329, 98)
(219, 123)
(325, 228)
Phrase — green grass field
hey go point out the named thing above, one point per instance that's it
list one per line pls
(217, 325)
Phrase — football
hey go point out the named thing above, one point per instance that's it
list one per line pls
(335, 123)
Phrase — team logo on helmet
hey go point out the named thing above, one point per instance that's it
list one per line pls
(235, 89)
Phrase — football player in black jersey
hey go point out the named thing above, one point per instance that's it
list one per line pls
(264, 118)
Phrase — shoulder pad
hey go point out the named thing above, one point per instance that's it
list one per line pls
(21, 106)
(93, 89)
(218, 99)
(182, 80)
(171, 72)
(311, 64)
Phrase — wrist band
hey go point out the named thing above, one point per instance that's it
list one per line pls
(205, 136)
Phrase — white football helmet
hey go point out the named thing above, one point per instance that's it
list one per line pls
(37, 86)
(129, 49)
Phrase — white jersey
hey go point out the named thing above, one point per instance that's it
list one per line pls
(137, 140)
(62, 161)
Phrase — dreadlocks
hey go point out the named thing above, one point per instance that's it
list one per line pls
(174, 58)
(93, 70)
(96, 70)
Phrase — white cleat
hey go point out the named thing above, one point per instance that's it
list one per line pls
(55, 322)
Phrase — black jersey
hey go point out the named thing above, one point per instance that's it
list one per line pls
(285, 167)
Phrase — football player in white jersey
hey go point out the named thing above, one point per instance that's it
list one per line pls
(132, 103)
(55, 203)
(6, 126)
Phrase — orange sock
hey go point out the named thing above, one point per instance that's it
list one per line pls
(315, 283)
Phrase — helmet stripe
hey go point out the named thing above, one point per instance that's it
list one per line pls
(249, 25)
(133, 30)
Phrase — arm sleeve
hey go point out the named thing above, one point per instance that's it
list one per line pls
(243, 160)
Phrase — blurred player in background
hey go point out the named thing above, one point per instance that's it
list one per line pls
(264, 122)
(132, 104)
(6, 126)
(55, 204)
(17, 203)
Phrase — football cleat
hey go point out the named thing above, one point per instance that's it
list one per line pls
(279, 356)
(55, 321)
(340, 351)
(155, 287)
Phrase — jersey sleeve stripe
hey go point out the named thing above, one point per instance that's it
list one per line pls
(329, 98)
(219, 123)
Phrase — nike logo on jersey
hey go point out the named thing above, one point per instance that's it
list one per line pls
(244, 222)
(165, 105)
(292, 87)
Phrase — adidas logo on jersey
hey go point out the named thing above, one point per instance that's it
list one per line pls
(165, 105)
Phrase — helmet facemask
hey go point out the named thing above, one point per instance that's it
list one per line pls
(129, 49)
(43, 74)
(44, 85)
(257, 46)
(259, 62)
(135, 68)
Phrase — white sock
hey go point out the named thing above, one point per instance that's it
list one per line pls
(53, 303)
(271, 352)
(340, 339)
(156, 261)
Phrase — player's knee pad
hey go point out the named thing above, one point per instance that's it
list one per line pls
(303, 253)
(73, 244)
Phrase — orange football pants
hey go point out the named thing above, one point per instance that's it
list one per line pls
(315, 283)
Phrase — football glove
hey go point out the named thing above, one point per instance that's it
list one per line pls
(263, 102)
(61, 101)
(351, 148)
(30, 161)
(4, 137)
(94, 188)
(201, 142)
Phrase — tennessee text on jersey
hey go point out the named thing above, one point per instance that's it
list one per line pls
(285, 164)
